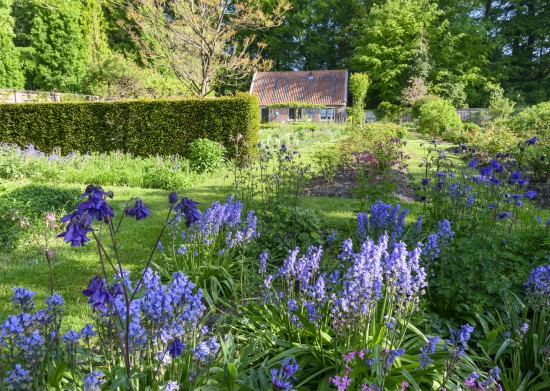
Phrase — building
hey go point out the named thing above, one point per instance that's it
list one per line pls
(301, 95)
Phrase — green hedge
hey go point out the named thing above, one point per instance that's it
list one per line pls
(144, 127)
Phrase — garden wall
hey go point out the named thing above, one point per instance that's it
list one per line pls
(144, 127)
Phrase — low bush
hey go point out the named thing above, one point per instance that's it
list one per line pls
(532, 121)
(437, 117)
(206, 155)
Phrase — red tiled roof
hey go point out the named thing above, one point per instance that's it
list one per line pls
(316, 87)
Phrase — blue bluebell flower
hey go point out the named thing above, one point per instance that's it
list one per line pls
(94, 381)
(176, 348)
(23, 299)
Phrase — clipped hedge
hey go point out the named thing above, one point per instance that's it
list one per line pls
(144, 127)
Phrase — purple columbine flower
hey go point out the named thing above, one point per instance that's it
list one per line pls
(504, 215)
(473, 163)
(425, 182)
(98, 294)
(176, 348)
(77, 229)
(173, 197)
(531, 141)
(530, 194)
(139, 210)
(189, 208)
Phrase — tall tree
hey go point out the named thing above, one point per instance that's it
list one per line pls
(522, 59)
(393, 40)
(11, 75)
(196, 39)
(57, 45)
(94, 30)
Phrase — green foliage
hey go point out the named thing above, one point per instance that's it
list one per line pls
(58, 47)
(10, 68)
(370, 135)
(206, 155)
(358, 86)
(328, 159)
(113, 168)
(534, 120)
(392, 38)
(387, 111)
(30, 203)
(436, 117)
(500, 107)
(161, 127)
(118, 77)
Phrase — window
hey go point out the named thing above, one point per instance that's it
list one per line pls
(291, 114)
(327, 114)
(265, 115)
(311, 113)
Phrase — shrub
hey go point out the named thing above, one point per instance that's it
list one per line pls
(206, 155)
(142, 128)
(369, 135)
(387, 111)
(328, 160)
(436, 117)
(534, 120)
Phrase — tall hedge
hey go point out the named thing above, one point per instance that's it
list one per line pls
(163, 127)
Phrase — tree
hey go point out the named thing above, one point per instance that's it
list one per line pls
(392, 40)
(196, 39)
(11, 75)
(58, 48)
(358, 86)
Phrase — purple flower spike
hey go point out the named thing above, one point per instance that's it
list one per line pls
(139, 211)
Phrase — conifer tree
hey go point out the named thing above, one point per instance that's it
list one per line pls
(11, 75)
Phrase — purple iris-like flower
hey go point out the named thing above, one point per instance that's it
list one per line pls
(176, 348)
(531, 141)
(139, 210)
(77, 230)
(96, 204)
(189, 208)
(173, 197)
(98, 294)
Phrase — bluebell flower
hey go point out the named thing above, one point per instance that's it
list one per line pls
(18, 379)
(504, 215)
(492, 377)
(491, 206)
(94, 381)
(425, 182)
(23, 299)
(470, 201)
(530, 194)
(55, 302)
(87, 332)
(472, 163)
(538, 286)
(139, 210)
(201, 351)
(263, 262)
(392, 355)
(171, 386)
(426, 350)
